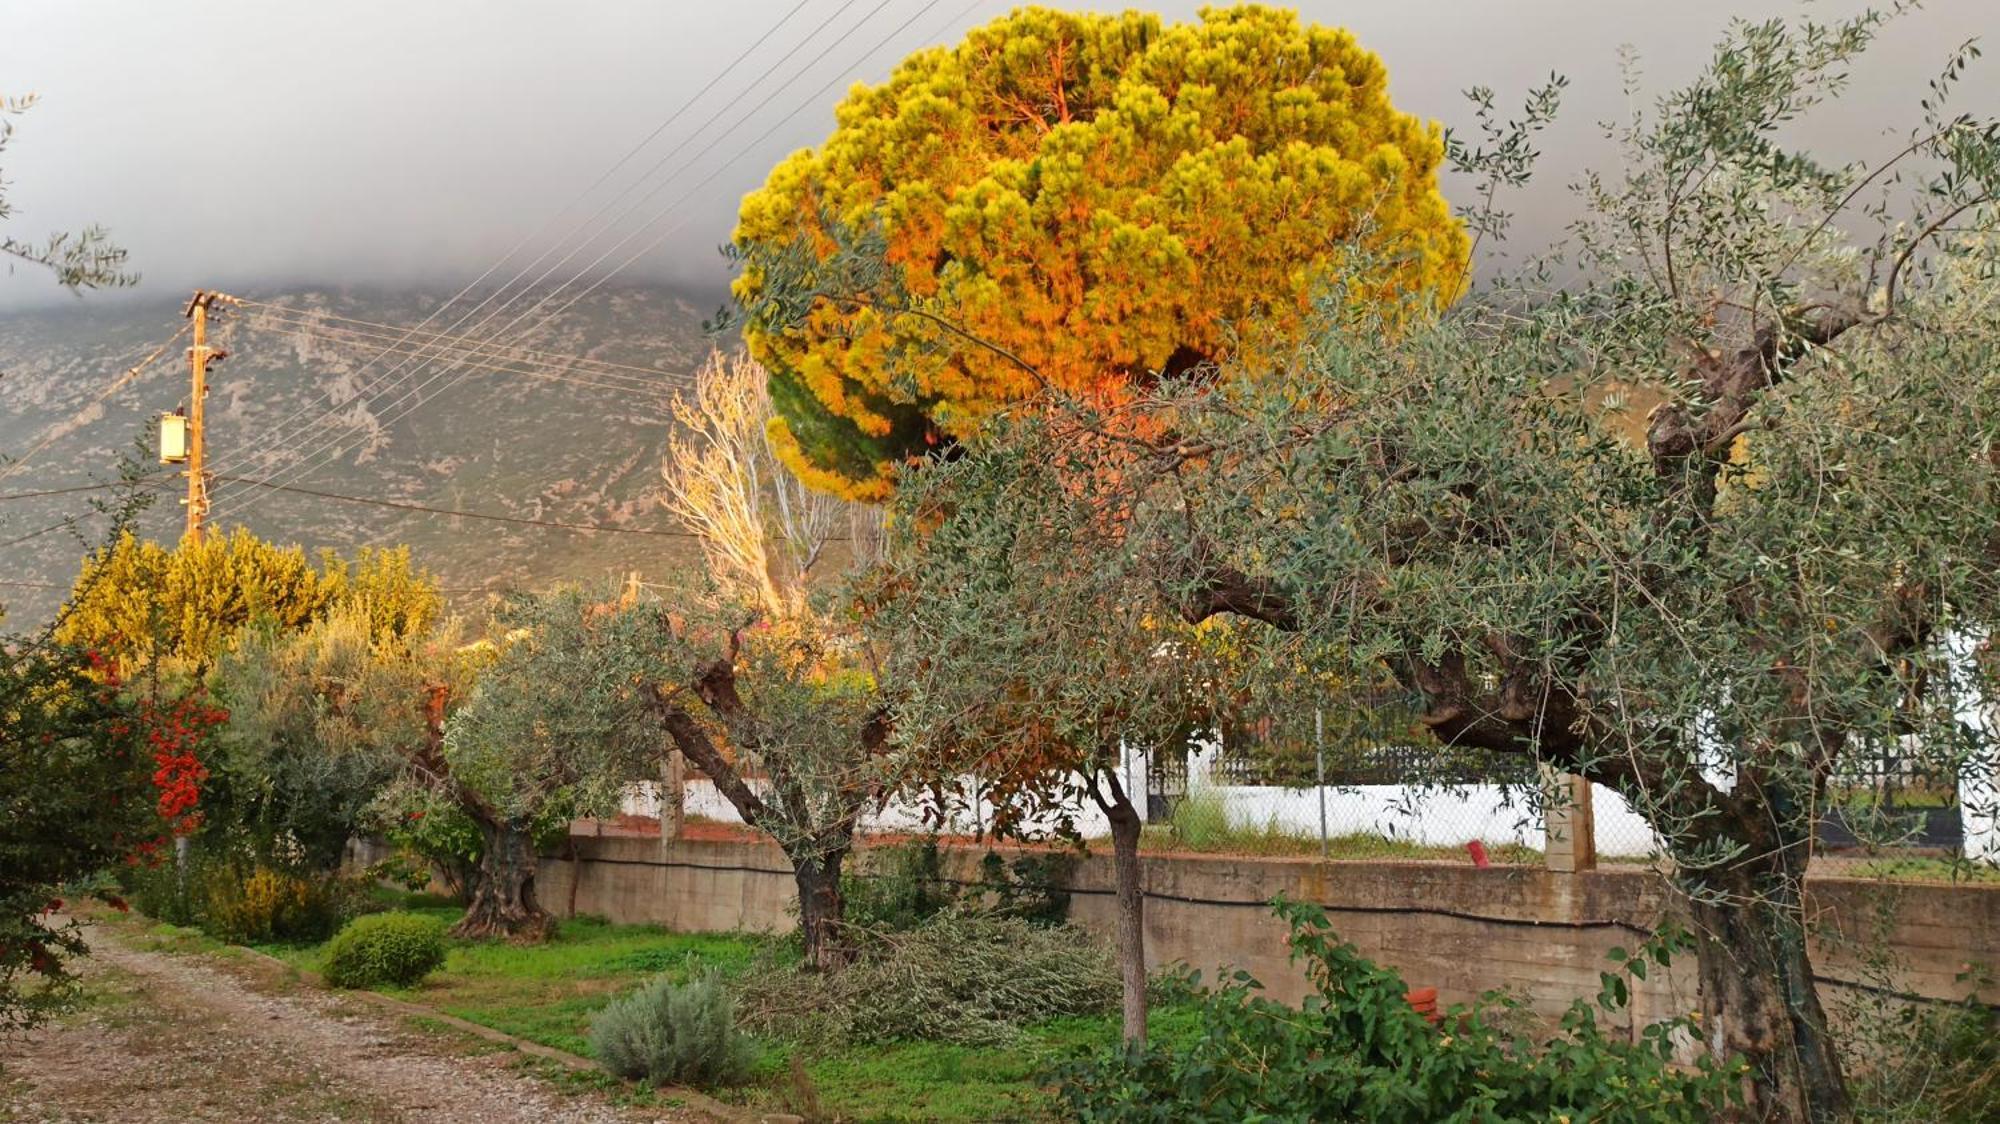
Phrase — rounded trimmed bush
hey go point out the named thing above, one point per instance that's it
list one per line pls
(385, 948)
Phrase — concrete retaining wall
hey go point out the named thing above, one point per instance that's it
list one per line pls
(1464, 930)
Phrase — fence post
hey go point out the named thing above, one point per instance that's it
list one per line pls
(1572, 831)
(1319, 776)
(673, 797)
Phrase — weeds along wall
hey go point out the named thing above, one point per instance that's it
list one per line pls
(1462, 929)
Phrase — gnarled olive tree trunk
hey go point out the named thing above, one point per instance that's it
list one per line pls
(502, 903)
(816, 844)
(822, 910)
(1758, 999)
(1131, 896)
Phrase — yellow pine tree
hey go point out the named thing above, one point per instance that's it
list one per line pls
(1101, 197)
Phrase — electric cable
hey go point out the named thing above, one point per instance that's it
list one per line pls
(278, 436)
(333, 444)
(58, 431)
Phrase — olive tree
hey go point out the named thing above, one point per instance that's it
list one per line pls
(81, 259)
(312, 734)
(783, 715)
(1715, 609)
(332, 724)
(758, 678)
(1025, 649)
(552, 726)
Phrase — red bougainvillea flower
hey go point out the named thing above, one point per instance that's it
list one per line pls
(174, 733)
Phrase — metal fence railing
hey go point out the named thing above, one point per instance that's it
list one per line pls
(1318, 788)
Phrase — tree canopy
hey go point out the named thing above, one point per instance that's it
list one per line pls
(1082, 201)
(1721, 611)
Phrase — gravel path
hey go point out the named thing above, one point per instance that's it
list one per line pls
(169, 1037)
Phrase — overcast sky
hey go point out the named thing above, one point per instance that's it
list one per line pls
(239, 142)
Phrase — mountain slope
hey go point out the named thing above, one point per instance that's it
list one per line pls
(583, 450)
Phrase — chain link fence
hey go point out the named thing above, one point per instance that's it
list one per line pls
(1346, 782)
(1352, 783)
(1896, 814)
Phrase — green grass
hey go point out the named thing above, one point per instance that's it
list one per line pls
(1902, 798)
(922, 1081)
(1922, 870)
(547, 994)
(1201, 824)
(1240, 839)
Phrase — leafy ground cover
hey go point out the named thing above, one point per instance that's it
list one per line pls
(547, 993)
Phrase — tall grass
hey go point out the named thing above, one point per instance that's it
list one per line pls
(1201, 822)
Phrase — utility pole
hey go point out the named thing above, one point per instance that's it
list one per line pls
(200, 355)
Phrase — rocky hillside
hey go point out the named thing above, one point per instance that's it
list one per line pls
(582, 448)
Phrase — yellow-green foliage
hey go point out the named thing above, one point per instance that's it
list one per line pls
(1102, 196)
(143, 601)
(270, 905)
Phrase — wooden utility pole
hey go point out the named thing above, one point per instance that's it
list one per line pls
(200, 355)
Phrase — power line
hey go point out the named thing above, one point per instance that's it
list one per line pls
(140, 484)
(428, 510)
(279, 438)
(661, 389)
(581, 195)
(51, 528)
(310, 320)
(55, 491)
(334, 446)
(389, 384)
(57, 430)
(664, 234)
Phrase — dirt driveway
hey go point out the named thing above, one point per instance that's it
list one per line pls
(174, 1037)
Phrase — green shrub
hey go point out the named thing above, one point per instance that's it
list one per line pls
(1200, 819)
(673, 1034)
(385, 948)
(267, 905)
(1918, 1062)
(233, 899)
(897, 888)
(406, 869)
(1942, 1067)
(1033, 886)
(1357, 1051)
(966, 976)
(159, 892)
